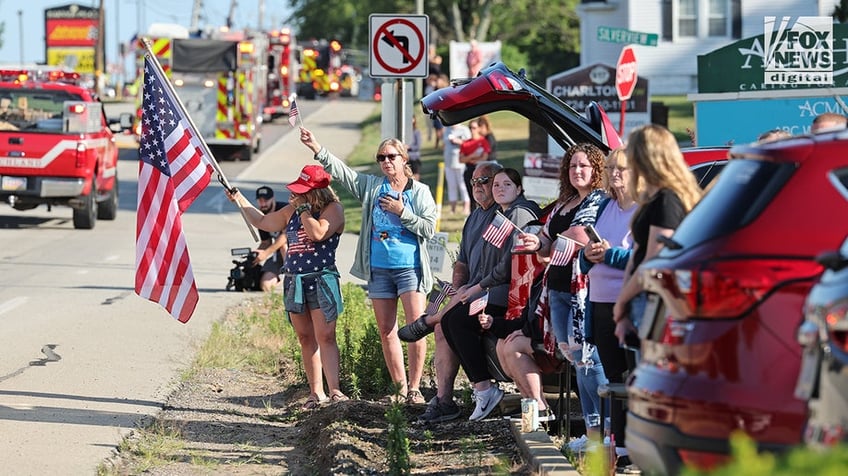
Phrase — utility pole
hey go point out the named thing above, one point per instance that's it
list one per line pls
(21, 32)
(261, 17)
(195, 15)
(99, 54)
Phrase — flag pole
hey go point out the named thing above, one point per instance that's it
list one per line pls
(221, 177)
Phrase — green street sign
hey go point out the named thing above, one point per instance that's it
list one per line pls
(620, 35)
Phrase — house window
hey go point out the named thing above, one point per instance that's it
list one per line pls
(700, 19)
(717, 19)
(687, 18)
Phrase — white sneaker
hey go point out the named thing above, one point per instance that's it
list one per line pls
(487, 400)
(578, 445)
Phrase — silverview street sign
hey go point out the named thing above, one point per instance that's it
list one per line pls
(621, 35)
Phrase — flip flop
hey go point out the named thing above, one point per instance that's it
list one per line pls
(312, 403)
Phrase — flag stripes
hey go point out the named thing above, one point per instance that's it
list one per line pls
(173, 171)
(499, 230)
(563, 252)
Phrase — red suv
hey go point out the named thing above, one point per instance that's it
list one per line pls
(719, 350)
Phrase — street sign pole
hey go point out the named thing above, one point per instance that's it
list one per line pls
(625, 80)
(621, 119)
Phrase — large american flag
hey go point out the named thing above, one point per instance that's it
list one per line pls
(499, 230)
(563, 251)
(172, 171)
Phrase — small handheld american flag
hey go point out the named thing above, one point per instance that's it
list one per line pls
(436, 298)
(499, 230)
(478, 305)
(563, 251)
(294, 113)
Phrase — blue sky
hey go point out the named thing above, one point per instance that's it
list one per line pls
(123, 20)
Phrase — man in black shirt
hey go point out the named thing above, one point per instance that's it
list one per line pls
(271, 245)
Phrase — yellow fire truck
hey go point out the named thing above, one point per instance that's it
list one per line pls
(222, 82)
(319, 68)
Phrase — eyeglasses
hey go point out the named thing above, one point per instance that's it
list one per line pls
(620, 169)
(383, 157)
(480, 180)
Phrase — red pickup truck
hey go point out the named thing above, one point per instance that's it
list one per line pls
(57, 146)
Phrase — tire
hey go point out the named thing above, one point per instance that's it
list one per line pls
(108, 209)
(86, 217)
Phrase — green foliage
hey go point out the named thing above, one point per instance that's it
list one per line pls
(397, 441)
(807, 461)
(538, 35)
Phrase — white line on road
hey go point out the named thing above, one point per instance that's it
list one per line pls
(12, 303)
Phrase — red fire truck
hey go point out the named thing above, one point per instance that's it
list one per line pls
(56, 146)
(282, 73)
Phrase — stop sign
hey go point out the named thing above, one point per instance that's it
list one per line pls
(625, 73)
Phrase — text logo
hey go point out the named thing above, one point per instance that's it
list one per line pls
(799, 52)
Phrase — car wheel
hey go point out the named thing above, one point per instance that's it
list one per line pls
(108, 209)
(85, 217)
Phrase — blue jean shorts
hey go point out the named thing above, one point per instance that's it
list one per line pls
(391, 283)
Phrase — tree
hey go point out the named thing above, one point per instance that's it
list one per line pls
(542, 36)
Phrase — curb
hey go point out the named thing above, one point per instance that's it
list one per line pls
(539, 451)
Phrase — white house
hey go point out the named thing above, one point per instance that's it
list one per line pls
(686, 29)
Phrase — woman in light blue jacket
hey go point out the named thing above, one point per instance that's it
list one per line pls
(398, 217)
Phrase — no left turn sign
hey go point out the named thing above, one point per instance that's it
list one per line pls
(398, 46)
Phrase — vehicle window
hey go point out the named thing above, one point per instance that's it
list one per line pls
(33, 110)
(750, 182)
(705, 173)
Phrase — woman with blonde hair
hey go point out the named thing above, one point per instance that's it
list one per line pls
(603, 262)
(398, 218)
(666, 191)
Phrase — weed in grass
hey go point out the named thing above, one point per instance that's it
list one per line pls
(397, 441)
(473, 451)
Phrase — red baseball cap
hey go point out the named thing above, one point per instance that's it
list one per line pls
(311, 177)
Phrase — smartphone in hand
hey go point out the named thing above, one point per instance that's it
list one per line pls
(593, 235)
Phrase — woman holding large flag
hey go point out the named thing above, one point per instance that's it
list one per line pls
(313, 222)
(398, 217)
(581, 192)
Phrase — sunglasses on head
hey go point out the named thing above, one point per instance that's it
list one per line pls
(383, 157)
(480, 180)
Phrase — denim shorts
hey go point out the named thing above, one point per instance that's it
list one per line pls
(391, 283)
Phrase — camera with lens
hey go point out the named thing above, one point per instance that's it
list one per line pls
(245, 275)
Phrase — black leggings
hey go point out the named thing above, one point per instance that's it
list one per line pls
(465, 337)
(614, 360)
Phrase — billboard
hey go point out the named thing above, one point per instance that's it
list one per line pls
(72, 33)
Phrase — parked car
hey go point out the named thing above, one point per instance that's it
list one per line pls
(824, 337)
(719, 348)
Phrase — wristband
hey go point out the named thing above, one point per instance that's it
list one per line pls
(303, 207)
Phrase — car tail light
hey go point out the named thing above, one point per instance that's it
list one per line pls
(502, 82)
(703, 460)
(836, 318)
(80, 162)
(76, 108)
(727, 288)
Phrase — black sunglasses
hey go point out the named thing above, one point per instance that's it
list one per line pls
(480, 180)
(382, 157)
